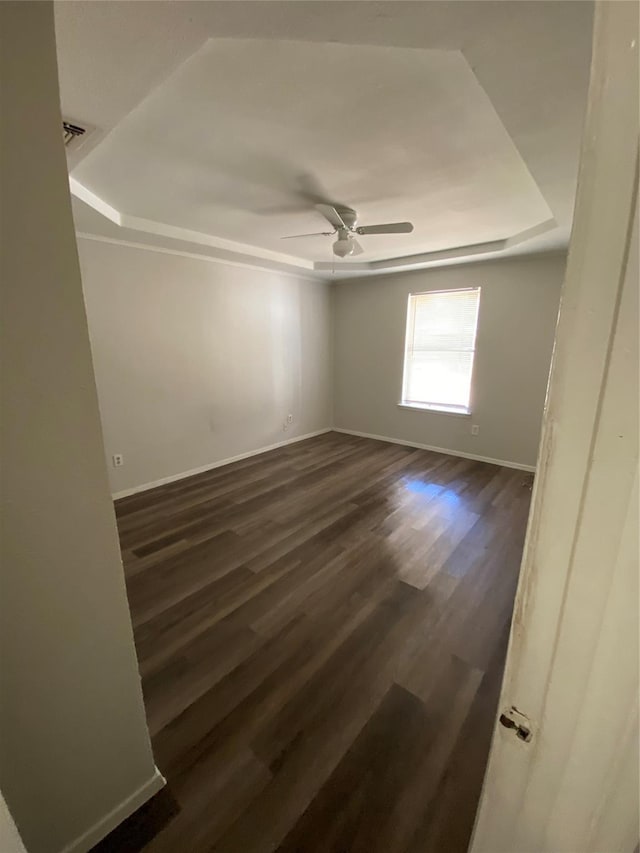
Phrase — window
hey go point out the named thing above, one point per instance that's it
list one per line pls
(439, 350)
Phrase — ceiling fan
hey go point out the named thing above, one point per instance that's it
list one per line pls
(345, 225)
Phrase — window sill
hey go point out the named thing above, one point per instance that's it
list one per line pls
(440, 410)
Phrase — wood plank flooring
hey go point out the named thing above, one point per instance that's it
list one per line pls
(321, 633)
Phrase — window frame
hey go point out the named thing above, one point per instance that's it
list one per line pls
(438, 408)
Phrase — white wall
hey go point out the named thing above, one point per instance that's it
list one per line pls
(518, 310)
(199, 361)
(73, 738)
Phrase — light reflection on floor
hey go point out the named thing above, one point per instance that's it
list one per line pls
(436, 518)
(431, 490)
(419, 487)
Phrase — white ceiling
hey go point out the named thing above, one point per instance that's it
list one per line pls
(213, 118)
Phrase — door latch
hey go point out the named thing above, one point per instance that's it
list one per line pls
(514, 719)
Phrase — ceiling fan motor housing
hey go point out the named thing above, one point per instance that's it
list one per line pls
(349, 216)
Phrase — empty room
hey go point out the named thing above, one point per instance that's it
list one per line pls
(310, 267)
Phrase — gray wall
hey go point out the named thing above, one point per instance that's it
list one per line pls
(518, 310)
(73, 738)
(197, 362)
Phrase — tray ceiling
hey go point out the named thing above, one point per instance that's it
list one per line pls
(217, 157)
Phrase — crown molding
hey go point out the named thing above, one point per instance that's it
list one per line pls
(234, 253)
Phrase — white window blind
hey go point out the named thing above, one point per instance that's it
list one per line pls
(440, 345)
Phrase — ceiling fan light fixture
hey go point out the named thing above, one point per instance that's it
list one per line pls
(344, 221)
(342, 248)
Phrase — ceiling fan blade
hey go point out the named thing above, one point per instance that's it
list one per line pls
(357, 248)
(386, 228)
(313, 234)
(332, 215)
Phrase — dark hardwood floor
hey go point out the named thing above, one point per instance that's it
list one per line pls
(321, 633)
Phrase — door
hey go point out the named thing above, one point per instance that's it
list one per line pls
(572, 666)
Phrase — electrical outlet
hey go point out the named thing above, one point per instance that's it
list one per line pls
(475, 429)
(289, 419)
(118, 460)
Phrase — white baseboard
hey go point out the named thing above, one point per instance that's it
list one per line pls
(505, 463)
(173, 478)
(201, 470)
(115, 817)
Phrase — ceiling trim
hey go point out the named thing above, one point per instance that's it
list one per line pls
(94, 201)
(455, 254)
(175, 232)
(150, 247)
(242, 254)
